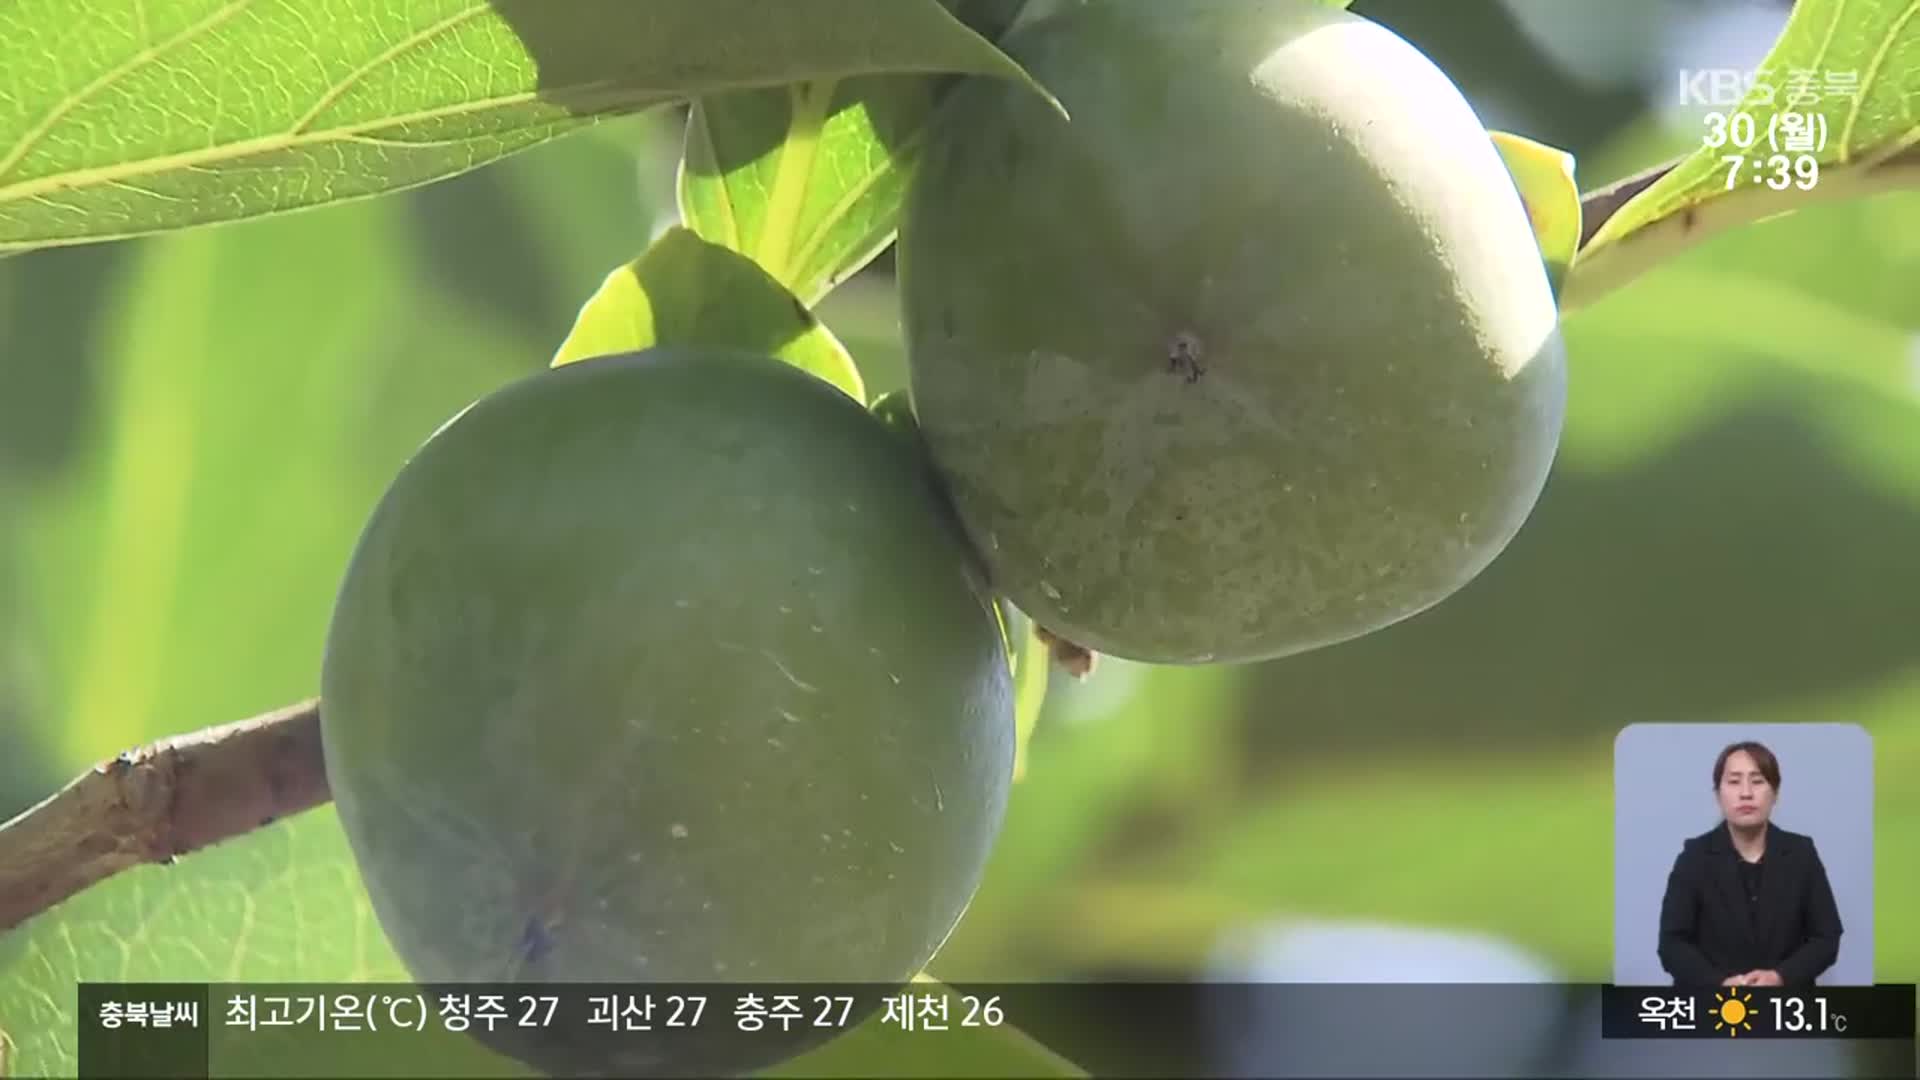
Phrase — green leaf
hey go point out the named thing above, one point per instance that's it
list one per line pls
(1031, 660)
(877, 1049)
(806, 179)
(1871, 141)
(686, 291)
(120, 117)
(1544, 177)
(282, 904)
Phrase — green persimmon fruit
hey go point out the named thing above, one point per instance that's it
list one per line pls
(1254, 353)
(669, 667)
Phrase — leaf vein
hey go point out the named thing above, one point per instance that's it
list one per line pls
(1833, 25)
(703, 130)
(243, 148)
(148, 193)
(46, 962)
(139, 59)
(391, 53)
(854, 193)
(798, 156)
(1872, 72)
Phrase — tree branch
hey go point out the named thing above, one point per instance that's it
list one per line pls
(159, 802)
(1599, 271)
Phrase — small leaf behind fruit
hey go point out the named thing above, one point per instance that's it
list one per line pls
(1031, 660)
(1867, 140)
(1544, 177)
(806, 179)
(686, 291)
(121, 117)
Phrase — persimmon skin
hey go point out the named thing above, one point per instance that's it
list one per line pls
(663, 668)
(1253, 354)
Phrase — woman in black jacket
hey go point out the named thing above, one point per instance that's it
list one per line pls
(1748, 903)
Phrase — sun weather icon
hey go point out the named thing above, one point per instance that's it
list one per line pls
(1734, 1014)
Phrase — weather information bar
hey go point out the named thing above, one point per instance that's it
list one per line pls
(1885, 1011)
(361, 1031)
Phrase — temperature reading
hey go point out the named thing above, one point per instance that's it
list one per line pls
(1798, 1011)
(1793, 1014)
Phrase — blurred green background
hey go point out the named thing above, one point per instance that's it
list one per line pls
(194, 427)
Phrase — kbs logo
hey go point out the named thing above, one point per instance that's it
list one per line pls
(1794, 87)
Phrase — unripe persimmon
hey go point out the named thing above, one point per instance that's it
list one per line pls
(664, 668)
(1252, 352)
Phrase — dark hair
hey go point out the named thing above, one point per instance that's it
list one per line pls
(1763, 757)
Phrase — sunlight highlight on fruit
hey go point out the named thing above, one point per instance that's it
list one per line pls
(1255, 354)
